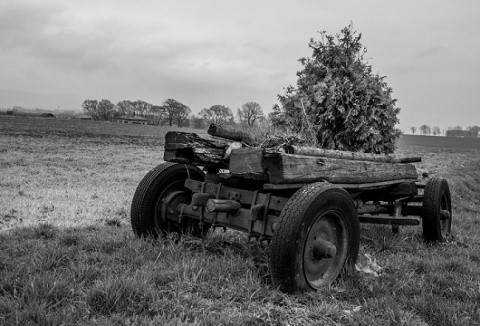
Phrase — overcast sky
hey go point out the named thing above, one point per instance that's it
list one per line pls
(225, 52)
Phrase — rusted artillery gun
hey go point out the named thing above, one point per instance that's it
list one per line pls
(307, 202)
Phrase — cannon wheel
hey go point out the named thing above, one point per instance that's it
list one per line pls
(155, 202)
(436, 210)
(317, 237)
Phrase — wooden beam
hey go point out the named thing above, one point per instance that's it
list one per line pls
(229, 133)
(290, 168)
(354, 156)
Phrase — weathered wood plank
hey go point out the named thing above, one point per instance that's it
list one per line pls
(213, 158)
(178, 140)
(191, 148)
(283, 168)
(291, 168)
(354, 156)
(247, 163)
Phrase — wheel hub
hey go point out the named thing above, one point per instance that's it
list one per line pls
(444, 215)
(169, 205)
(323, 249)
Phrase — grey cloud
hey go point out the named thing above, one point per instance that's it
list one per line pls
(125, 54)
(40, 32)
(47, 34)
(20, 23)
(432, 51)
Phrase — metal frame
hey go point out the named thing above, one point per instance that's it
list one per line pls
(256, 211)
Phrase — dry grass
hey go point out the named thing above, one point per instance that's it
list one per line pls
(68, 255)
(59, 181)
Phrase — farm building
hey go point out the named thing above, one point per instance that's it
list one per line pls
(46, 115)
(132, 121)
(30, 114)
(461, 133)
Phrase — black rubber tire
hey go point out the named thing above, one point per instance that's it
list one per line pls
(312, 210)
(436, 198)
(148, 207)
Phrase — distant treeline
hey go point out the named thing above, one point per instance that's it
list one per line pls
(18, 111)
(173, 112)
(462, 133)
(457, 131)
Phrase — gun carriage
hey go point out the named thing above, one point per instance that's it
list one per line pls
(307, 202)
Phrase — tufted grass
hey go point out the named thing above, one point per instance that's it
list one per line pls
(68, 255)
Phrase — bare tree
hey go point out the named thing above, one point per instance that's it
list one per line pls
(156, 114)
(105, 110)
(175, 110)
(436, 130)
(197, 122)
(249, 113)
(413, 129)
(474, 130)
(90, 108)
(123, 108)
(425, 130)
(182, 114)
(141, 108)
(217, 114)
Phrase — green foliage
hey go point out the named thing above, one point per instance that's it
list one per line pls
(276, 117)
(338, 102)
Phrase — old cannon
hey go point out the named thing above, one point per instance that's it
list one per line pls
(307, 202)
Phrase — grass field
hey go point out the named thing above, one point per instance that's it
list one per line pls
(68, 255)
